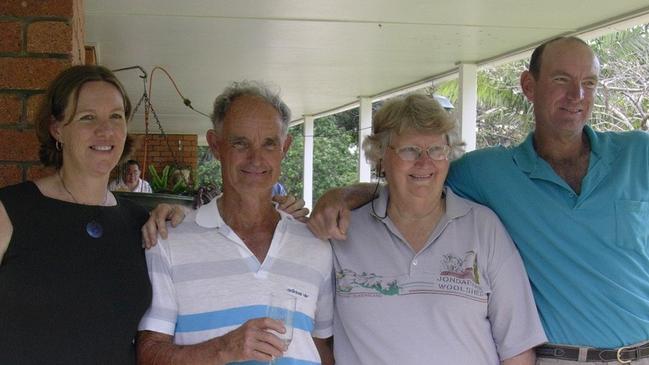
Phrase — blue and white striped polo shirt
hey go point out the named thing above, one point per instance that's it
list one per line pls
(206, 282)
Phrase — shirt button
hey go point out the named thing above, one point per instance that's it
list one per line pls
(414, 262)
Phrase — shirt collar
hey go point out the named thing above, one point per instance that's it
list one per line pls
(524, 154)
(527, 159)
(455, 206)
(602, 147)
(208, 215)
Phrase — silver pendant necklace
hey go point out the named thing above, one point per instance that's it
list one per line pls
(93, 228)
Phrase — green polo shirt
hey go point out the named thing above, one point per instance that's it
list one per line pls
(587, 254)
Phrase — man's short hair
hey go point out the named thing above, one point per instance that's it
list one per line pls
(250, 88)
(537, 55)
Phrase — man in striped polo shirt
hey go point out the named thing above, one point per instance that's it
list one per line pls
(213, 276)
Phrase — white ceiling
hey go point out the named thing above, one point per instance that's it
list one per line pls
(321, 54)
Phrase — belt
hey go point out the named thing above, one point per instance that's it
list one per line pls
(623, 355)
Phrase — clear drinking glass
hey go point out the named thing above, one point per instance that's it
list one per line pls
(281, 307)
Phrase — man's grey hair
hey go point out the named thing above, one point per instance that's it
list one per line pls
(251, 88)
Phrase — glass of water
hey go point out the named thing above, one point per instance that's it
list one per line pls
(281, 307)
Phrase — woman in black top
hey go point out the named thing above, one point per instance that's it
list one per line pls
(73, 278)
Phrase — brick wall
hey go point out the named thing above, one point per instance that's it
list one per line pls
(183, 147)
(38, 39)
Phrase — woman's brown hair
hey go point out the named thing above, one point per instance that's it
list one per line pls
(63, 93)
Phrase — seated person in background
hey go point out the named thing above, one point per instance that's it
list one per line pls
(213, 277)
(131, 181)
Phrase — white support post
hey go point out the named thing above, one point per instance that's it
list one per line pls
(364, 129)
(307, 192)
(468, 100)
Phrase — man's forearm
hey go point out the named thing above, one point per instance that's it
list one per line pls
(330, 217)
(357, 195)
(324, 346)
(250, 341)
(157, 349)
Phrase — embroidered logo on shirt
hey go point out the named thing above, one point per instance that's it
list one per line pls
(465, 267)
(461, 276)
(368, 283)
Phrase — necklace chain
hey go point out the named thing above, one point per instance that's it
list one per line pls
(70, 193)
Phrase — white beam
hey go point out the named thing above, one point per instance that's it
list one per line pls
(307, 191)
(364, 129)
(468, 101)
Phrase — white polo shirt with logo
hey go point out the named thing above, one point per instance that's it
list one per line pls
(206, 282)
(463, 299)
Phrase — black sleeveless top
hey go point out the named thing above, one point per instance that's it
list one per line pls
(66, 297)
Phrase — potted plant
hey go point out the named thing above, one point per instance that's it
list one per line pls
(179, 193)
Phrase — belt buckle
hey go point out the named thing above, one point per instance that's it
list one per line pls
(618, 355)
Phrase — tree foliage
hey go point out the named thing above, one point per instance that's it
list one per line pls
(504, 117)
(209, 169)
(335, 151)
(293, 163)
(622, 102)
(336, 154)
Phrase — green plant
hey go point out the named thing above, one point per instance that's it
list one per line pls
(159, 182)
(172, 179)
(180, 187)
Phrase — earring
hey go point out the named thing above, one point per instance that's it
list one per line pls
(58, 145)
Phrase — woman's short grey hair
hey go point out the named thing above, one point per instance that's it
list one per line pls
(251, 88)
(412, 112)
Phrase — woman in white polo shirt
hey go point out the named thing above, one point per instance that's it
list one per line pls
(424, 276)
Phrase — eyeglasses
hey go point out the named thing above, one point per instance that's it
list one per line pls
(413, 153)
